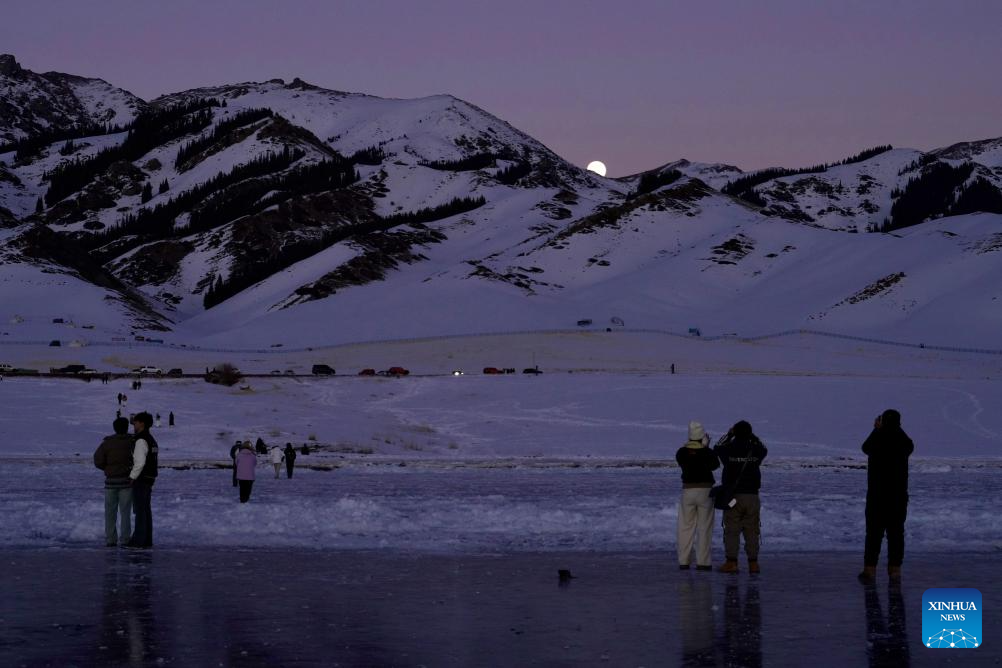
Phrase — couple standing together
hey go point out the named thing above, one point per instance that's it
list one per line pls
(741, 453)
(130, 469)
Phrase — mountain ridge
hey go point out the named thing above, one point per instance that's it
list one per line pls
(274, 204)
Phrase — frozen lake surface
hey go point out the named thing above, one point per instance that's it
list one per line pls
(492, 506)
(207, 607)
(427, 525)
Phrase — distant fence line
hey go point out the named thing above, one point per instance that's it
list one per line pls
(578, 330)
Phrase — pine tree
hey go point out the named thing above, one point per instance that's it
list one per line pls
(147, 193)
(39, 207)
(164, 187)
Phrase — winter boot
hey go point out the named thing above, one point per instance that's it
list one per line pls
(894, 572)
(869, 575)
(730, 566)
(753, 566)
(683, 567)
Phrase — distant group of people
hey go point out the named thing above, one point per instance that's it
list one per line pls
(244, 457)
(741, 453)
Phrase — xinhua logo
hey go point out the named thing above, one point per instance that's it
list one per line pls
(951, 618)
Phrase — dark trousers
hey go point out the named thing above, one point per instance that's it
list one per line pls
(142, 493)
(234, 474)
(245, 490)
(885, 516)
(288, 467)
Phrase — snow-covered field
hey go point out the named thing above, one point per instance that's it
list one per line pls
(579, 458)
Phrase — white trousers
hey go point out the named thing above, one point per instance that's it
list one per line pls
(695, 525)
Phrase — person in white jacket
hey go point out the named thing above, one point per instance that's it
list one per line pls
(277, 458)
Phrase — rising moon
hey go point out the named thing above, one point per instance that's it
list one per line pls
(597, 166)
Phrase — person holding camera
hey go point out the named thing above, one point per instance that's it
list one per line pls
(887, 448)
(695, 510)
(741, 453)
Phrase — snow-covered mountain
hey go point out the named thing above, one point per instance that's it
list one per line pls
(34, 104)
(273, 212)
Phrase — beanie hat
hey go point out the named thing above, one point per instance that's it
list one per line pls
(742, 429)
(890, 418)
(696, 431)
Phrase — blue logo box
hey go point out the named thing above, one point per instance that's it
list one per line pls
(951, 619)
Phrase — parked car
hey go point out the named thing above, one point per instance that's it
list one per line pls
(491, 370)
(149, 371)
(55, 343)
(6, 368)
(290, 372)
(69, 368)
(323, 370)
(397, 371)
(276, 372)
(367, 372)
(532, 370)
(176, 373)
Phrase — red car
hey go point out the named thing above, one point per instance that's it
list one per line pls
(491, 370)
(397, 371)
(367, 372)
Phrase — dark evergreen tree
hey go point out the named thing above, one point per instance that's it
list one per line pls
(467, 164)
(929, 194)
(220, 133)
(164, 187)
(651, 181)
(39, 207)
(977, 196)
(147, 193)
(368, 156)
(512, 173)
(147, 131)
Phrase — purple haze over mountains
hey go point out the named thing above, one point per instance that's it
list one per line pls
(635, 84)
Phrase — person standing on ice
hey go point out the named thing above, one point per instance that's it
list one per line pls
(741, 454)
(887, 449)
(158, 421)
(246, 463)
(290, 459)
(276, 458)
(114, 457)
(143, 475)
(233, 455)
(170, 419)
(695, 510)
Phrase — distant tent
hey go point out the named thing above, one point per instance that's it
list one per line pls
(77, 343)
(617, 321)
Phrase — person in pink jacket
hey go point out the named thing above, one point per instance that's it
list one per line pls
(246, 463)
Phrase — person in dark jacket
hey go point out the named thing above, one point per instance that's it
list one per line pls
(741, 454)
(260, 446)
(695, 510)
(887, 448)
(114, 457)
(233, 455)
(143, 475)
(290, 459)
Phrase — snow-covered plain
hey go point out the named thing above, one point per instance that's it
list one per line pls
(579, 458)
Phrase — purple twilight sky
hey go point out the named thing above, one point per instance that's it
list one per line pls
(633, 83)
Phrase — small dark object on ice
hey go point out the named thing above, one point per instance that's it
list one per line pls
(564, 575)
